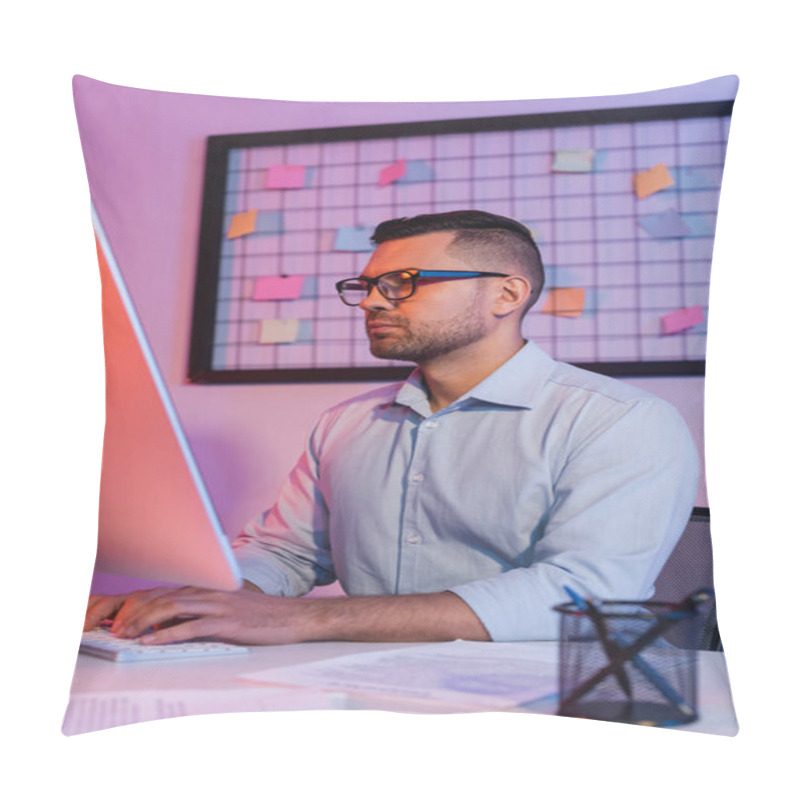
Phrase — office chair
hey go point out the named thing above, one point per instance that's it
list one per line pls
(689, 568)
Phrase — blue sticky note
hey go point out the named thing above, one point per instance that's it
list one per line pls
(353, 239)
(417, 172)
(305, 331)
(309, 287)
(700, 224)
(269, 222)
(665, 225)
(600, 160)
(695, 178)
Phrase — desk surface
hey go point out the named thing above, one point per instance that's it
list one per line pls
(212, 677)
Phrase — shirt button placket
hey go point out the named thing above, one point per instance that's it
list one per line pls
(411, 538)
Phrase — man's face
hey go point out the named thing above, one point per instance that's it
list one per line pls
(442, 317)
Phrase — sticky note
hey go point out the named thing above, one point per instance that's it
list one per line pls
(664, 225)
(417, 172)
(696, 178)
(278, 287)
(353, 239)
(242, 224)
(276, 331)
(573, 161)
(682, 319)
(652, 180)
(700, 224)
(392, 173)
(269, 222)
(286, 176)
(564, 302)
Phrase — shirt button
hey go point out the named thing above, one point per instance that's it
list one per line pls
(432, 423)
(418, 478)
(414, 538)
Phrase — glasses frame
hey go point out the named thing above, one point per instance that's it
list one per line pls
(415, 275)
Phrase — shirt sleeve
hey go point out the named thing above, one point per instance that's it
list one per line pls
(620, 504)
(285, 551)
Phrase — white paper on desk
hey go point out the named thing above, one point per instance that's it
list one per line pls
(475, 675)
(94, 711)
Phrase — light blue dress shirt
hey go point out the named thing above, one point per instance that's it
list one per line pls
(543, 475)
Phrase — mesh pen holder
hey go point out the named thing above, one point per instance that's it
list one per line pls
(615, 664)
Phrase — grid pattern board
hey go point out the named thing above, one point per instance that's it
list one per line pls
(622, 203)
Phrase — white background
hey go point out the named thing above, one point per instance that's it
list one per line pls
(53, 386)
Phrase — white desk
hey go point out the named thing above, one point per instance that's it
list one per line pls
(219, 680)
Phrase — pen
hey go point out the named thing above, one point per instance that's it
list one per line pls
(632, 652)
(610, 646)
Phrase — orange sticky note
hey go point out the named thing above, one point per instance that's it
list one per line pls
(652, 180)
(242, 224)
(564, 302)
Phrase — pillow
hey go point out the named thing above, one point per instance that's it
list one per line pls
(223, 225)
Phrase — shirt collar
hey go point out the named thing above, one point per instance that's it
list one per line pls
(412, 393)
(514, 383)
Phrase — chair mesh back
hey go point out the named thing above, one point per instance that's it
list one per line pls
(690, 567)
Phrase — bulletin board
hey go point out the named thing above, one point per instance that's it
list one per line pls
(622, 203)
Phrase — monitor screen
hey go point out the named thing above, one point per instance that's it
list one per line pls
(156, 519)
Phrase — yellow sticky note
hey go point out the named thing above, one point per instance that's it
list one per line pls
(652, 180)
(564, 302)
(242, 224)
(275, 331)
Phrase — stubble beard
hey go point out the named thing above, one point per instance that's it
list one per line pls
(426, 340)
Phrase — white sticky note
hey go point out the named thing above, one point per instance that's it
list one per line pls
(276, 331)
(573, 161)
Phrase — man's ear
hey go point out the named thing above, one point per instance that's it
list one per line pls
(513, 293)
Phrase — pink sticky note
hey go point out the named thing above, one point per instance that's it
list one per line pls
(286, 176)
(276, 287)
(391, 173)
(682, 319)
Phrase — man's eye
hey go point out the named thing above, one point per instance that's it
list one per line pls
(396, 280)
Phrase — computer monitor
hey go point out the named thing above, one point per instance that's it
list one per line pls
(156, 519)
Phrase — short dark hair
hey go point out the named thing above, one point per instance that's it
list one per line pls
(492, 237)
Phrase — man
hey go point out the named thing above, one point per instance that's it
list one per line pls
(459, 503)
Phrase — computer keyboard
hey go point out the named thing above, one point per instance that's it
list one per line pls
(101, 643)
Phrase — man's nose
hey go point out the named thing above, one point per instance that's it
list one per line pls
(375, 301)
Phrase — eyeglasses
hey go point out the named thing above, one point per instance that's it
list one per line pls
(400, 284)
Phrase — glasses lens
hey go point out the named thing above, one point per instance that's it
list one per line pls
(396, 285)
(352, 292)
(393, 286)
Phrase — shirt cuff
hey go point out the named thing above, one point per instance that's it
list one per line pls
(510, 610)
(269, 577)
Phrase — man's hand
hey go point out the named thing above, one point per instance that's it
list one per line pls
(243, 617)
(102, 607)
(249, 617)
